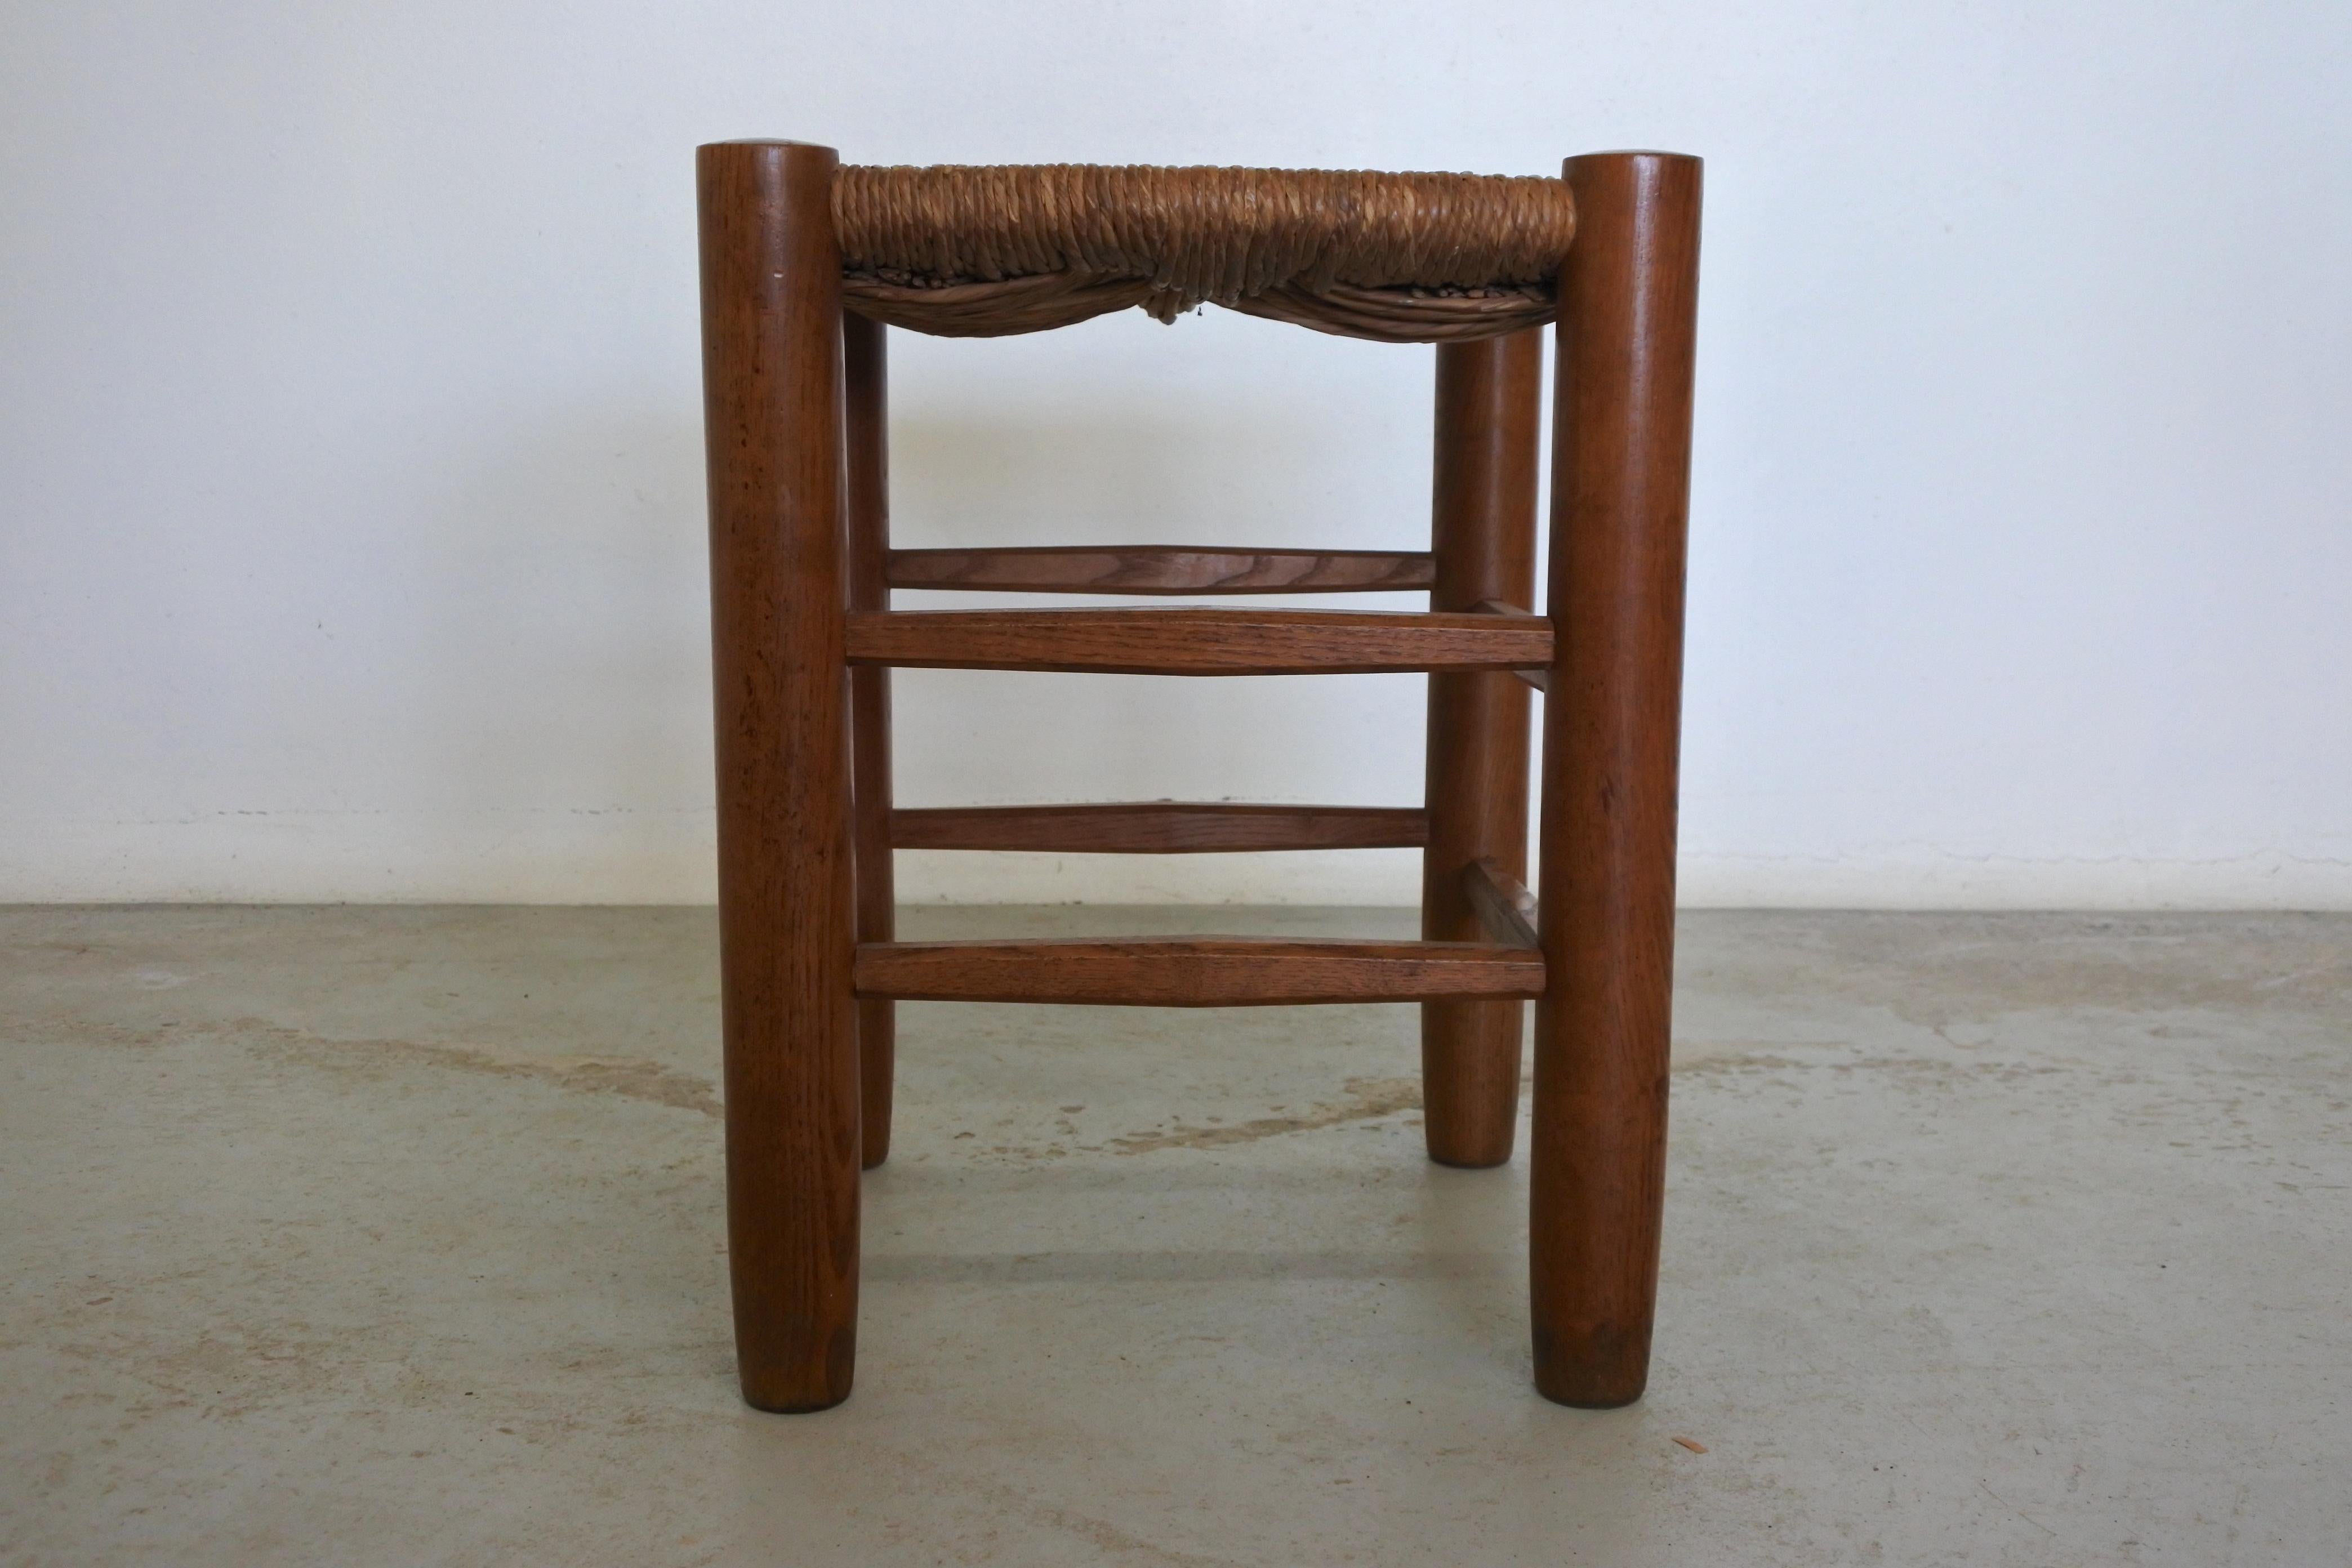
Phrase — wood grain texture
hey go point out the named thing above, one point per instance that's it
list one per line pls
(867, 412)
(1620, 483)
(1537, 679)
(1482, 534)
(772, 426)
(1195, 972)
(1159, 569)
(1160, 827)
(1197, 641)
(1506, 910)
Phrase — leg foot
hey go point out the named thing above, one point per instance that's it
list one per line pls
(1612, 728)
(772, 365)
(1482, 535)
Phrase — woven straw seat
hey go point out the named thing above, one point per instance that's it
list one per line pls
(964, 251)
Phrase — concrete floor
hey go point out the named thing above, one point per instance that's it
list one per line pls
(394, 1236)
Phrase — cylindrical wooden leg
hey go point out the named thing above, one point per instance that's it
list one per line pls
(866, 380)
(1489, 393)
(773, 423)
(1620, 480)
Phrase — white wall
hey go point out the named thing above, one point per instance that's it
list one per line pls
(351, 532)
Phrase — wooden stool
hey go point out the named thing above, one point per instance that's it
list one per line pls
(802, 263)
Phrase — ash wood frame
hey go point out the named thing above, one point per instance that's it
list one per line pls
(1160, 828)
(795, 404)
(1197, 972)
(1162, 569)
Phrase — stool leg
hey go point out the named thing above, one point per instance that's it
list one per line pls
(1489, 397)
(867, 382)
(773, 423)
(1621, 480)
